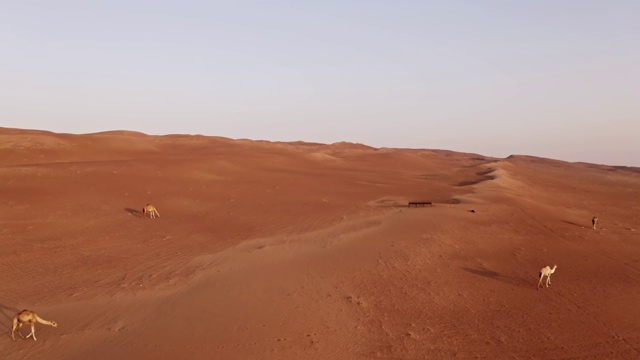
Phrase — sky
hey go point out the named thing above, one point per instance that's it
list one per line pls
(555, 79)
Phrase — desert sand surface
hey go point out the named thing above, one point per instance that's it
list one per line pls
(268, 250)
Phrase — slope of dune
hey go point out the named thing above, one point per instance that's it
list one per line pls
(308, 251)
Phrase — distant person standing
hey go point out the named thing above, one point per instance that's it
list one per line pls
(594, 221)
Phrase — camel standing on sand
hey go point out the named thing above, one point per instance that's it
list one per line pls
(151, 210)
(594, 221)
(546, 271)
(28, 317)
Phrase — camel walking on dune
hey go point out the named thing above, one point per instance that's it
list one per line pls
(28, 317)
(546, 271)
(151, 210)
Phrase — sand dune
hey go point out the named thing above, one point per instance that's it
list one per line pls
(308, 251)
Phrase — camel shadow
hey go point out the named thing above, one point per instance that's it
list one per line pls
(134, 212)
(572, 223)
(511, 280)
(8, 313)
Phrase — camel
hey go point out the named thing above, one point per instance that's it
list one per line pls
(594, 221)
(546, 271)
(28, 317)
(151, 210)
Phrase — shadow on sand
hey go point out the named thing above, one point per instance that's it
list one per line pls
(386, 203)
(511, 280)
(134, 212)
(8, 312)
(572, 223)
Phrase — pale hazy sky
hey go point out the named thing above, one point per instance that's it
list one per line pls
(558, 79)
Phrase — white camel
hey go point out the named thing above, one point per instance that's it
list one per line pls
(28, 317)
(151, 210)
(546, 271)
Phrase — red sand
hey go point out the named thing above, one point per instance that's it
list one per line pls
(308, 251)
